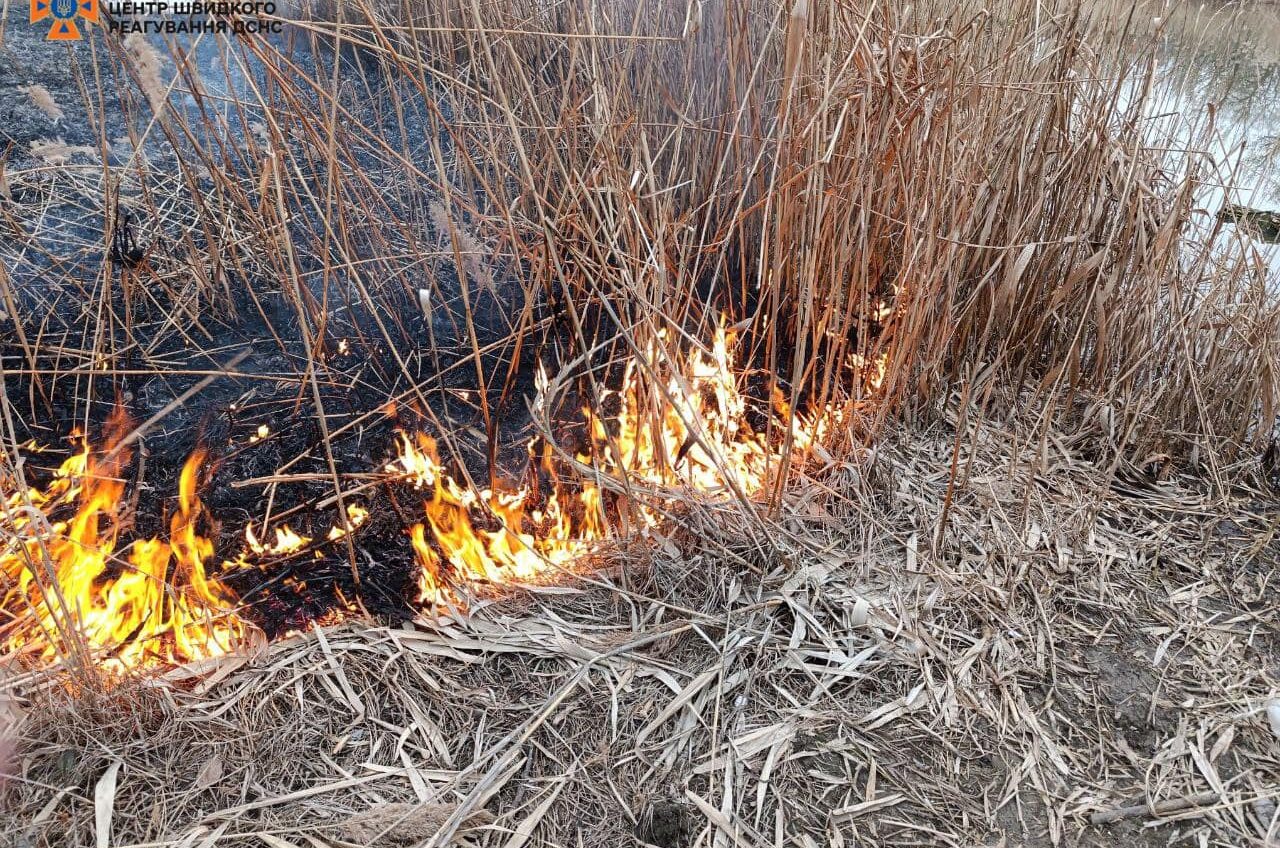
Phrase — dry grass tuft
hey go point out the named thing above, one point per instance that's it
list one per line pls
(55, 151)
(149, 68)
(43, 100)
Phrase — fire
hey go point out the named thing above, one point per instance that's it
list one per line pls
(523, 543)
(151, 603)
(356, 516)
(68, 579)
(692, 437)
(680, 426)
(286, 542)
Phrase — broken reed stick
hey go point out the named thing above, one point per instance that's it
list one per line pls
(304, 478)
(1160, 808)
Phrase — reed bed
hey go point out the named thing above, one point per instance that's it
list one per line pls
(969, 195)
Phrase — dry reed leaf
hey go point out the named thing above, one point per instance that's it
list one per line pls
(864, 807)
(686, 694)
(212, 672)
(719, 820)
(860, 613)
(347, 692)
(58, 152)
(188, 839)
(274, 841)
(1222, 743)
(1013, 274)
(441, 775)
(104, 802)
(210, 773)
(525, 829)
(47, 809)
(11, 712)
(43, 100)
(771, 738)
(1265, 809)
(491, 784)
(894, 709)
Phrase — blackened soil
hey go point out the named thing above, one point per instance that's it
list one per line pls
(201, 332)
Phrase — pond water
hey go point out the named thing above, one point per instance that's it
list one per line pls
(1218, 91)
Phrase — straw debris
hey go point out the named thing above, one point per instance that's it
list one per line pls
(394, 825)
(1052, 648)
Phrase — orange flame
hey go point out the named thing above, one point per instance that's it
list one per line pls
(694, 436)
(286, 542)
(682, 428)
(523, 544)
(153, 605)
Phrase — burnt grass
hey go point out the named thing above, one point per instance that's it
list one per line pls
(132, 300)
(66, 368)
(267, 387)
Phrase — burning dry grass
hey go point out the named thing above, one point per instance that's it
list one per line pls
(160, 608)
(75, 587)
(964, 199)
(901, 666)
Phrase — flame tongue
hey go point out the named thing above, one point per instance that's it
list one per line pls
(691, 436)
(522, 545)
(157, 606)
(694, 436)
(681, 429)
